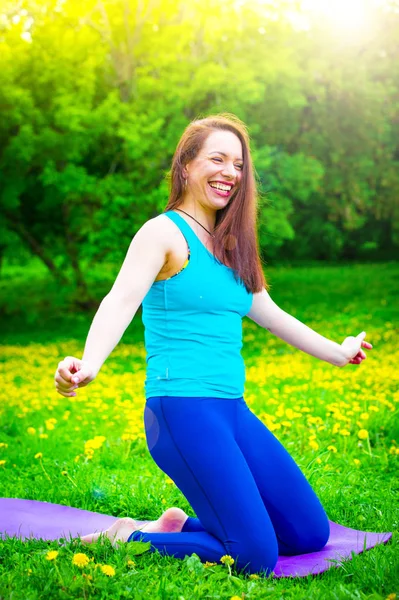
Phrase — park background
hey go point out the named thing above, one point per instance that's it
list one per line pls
(94, 96)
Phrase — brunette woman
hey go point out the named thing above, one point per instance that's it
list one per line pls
(196, 271)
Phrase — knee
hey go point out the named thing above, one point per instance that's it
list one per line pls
(314, 539)
(309, 537)
(253, 556)
(321, 536)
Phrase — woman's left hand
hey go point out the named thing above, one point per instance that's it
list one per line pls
(352, 349)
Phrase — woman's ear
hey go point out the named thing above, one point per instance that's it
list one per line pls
(186, 170)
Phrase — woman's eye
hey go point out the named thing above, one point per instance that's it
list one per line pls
(220, 160)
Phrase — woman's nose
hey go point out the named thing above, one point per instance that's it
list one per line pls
(230, 170)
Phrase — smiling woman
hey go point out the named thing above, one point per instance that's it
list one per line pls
(251, 499)
(212, 182)
(224, 187)
(223, 175)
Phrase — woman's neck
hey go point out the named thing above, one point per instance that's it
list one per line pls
(206, 218)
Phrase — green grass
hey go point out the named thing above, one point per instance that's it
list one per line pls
(121, 478)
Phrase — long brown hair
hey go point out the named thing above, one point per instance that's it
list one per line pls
(235, 234)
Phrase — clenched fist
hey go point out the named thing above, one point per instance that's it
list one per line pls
(72, 373)
(352, 348)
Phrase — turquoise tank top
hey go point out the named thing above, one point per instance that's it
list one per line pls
(193, 327)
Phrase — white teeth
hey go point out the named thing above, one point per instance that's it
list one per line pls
(220, 186)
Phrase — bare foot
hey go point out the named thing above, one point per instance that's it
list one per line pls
(119, 531)
(171, 521)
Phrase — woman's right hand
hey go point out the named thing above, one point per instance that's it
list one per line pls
(72, 373)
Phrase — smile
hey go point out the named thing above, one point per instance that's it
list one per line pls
(221, 189)
(226, 187)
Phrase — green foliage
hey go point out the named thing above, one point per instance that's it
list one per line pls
(95, 96)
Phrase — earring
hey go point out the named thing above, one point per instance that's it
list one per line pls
(185, 184)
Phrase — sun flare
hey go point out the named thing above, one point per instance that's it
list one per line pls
(344, 14)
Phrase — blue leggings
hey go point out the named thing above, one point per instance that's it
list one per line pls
(251, 499)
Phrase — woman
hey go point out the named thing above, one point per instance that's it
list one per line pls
(196, 271)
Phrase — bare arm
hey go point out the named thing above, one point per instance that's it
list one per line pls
(267, 314)
(145, 258)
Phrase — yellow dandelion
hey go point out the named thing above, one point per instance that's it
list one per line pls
(365, 416)
(397, 451)
(227, 560)
(2, 462)
(363, 434)
(39, 455)
(3, 445)
(108, 570)
(80, 560)
(356, 462)
(254, 576)
(318, 460)
(344, 432)
(131, 563)
(332, 449)
(273, 427)
(209, 564)
(31, 430)
(43, 436)
(235, 598)
(314, 445)
(51, 555)
(391, 597)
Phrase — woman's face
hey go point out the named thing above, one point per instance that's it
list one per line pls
(215, 174)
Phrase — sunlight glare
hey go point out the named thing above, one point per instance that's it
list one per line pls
(345, 14)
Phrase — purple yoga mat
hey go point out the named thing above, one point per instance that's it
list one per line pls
(31, 518)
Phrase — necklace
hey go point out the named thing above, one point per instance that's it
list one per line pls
(183, 211)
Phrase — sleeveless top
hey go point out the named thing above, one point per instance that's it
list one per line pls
(193, 327)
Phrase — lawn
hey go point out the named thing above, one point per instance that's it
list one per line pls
(90, 451)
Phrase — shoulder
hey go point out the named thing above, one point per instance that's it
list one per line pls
(159, 229)
(157, 225)
(160, 220)
(163, 225)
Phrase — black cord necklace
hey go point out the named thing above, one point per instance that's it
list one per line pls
(183, 211)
